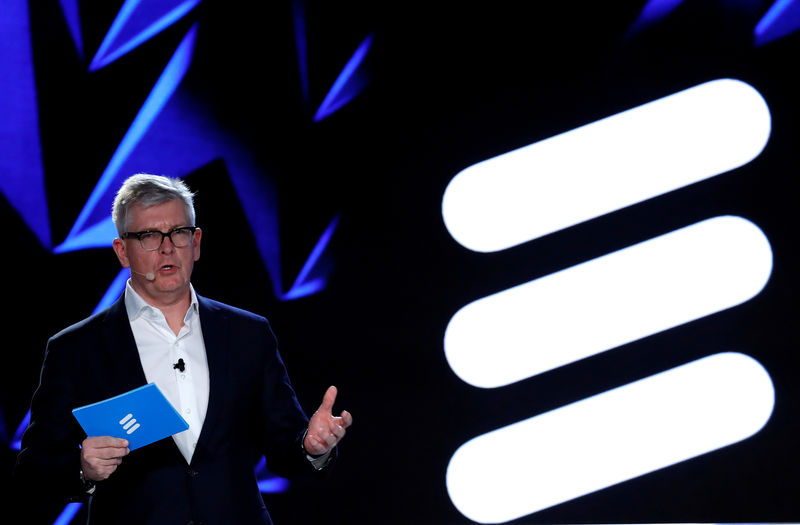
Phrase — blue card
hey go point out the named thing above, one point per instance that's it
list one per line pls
(142, 416)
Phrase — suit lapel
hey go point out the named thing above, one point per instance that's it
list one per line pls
(215, 339)
(125, 368)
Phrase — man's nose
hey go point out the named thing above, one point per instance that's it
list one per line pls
(166, 245)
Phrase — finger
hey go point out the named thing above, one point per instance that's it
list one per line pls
(335, 426)
(330, 441)
(347, 419)
(105, 441)
(339, 432)
(324, 440)
(334, 433)
(105, 452)
(316, 446)
(110, 453)
(328, 399)
(321, 430)
(98, 463)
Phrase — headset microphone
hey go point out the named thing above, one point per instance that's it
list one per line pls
(150, 276)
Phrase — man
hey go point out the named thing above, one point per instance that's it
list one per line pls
(218, 366)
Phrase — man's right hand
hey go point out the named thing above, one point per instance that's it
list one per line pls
(100, 456)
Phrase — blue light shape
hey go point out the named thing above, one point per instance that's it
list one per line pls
(301, 43)
(347, 85)
(782, 19)
(98, 236)
(268, 482)
(273, 485)
(72, 16)
(653, 11)
(302, 285)
(99, 204)
(68, 513)
(16, 442)
(303, 289)
(658, 9)
(137, 22)
(114, 291)
(21, 168)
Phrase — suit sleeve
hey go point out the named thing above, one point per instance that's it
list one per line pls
(284, 422)
(50, 453)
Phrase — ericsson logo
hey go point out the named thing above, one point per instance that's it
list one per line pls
(129, 424)
(609, 301)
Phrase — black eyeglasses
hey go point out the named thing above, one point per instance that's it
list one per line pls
(151, 239)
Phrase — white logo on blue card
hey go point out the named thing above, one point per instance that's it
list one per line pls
(129, 424)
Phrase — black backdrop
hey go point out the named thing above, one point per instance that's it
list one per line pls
(447, 85)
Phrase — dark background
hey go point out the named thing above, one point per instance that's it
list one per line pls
(447, 85)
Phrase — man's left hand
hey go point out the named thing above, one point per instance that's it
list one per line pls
(325, 430)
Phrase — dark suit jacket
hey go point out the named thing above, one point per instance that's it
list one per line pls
(252, 411)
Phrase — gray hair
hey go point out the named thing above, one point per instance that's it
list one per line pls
(149, 190)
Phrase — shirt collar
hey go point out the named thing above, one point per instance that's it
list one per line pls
(138, 307)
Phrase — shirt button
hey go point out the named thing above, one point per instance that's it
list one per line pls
(194, 445)
(188, 410)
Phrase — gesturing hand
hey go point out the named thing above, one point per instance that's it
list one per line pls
(100, 456)
(325, 429)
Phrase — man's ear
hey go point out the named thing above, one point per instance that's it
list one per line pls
(119, 249)
(198, 234)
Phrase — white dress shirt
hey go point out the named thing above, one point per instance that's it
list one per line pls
(159, 351)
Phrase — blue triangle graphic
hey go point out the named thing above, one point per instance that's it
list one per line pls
(21, 169)
(782, 19)
(347, 85)
(653, 12)
(137, 22)
(72, 16)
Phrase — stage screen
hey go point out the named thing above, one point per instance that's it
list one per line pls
(547, 251)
